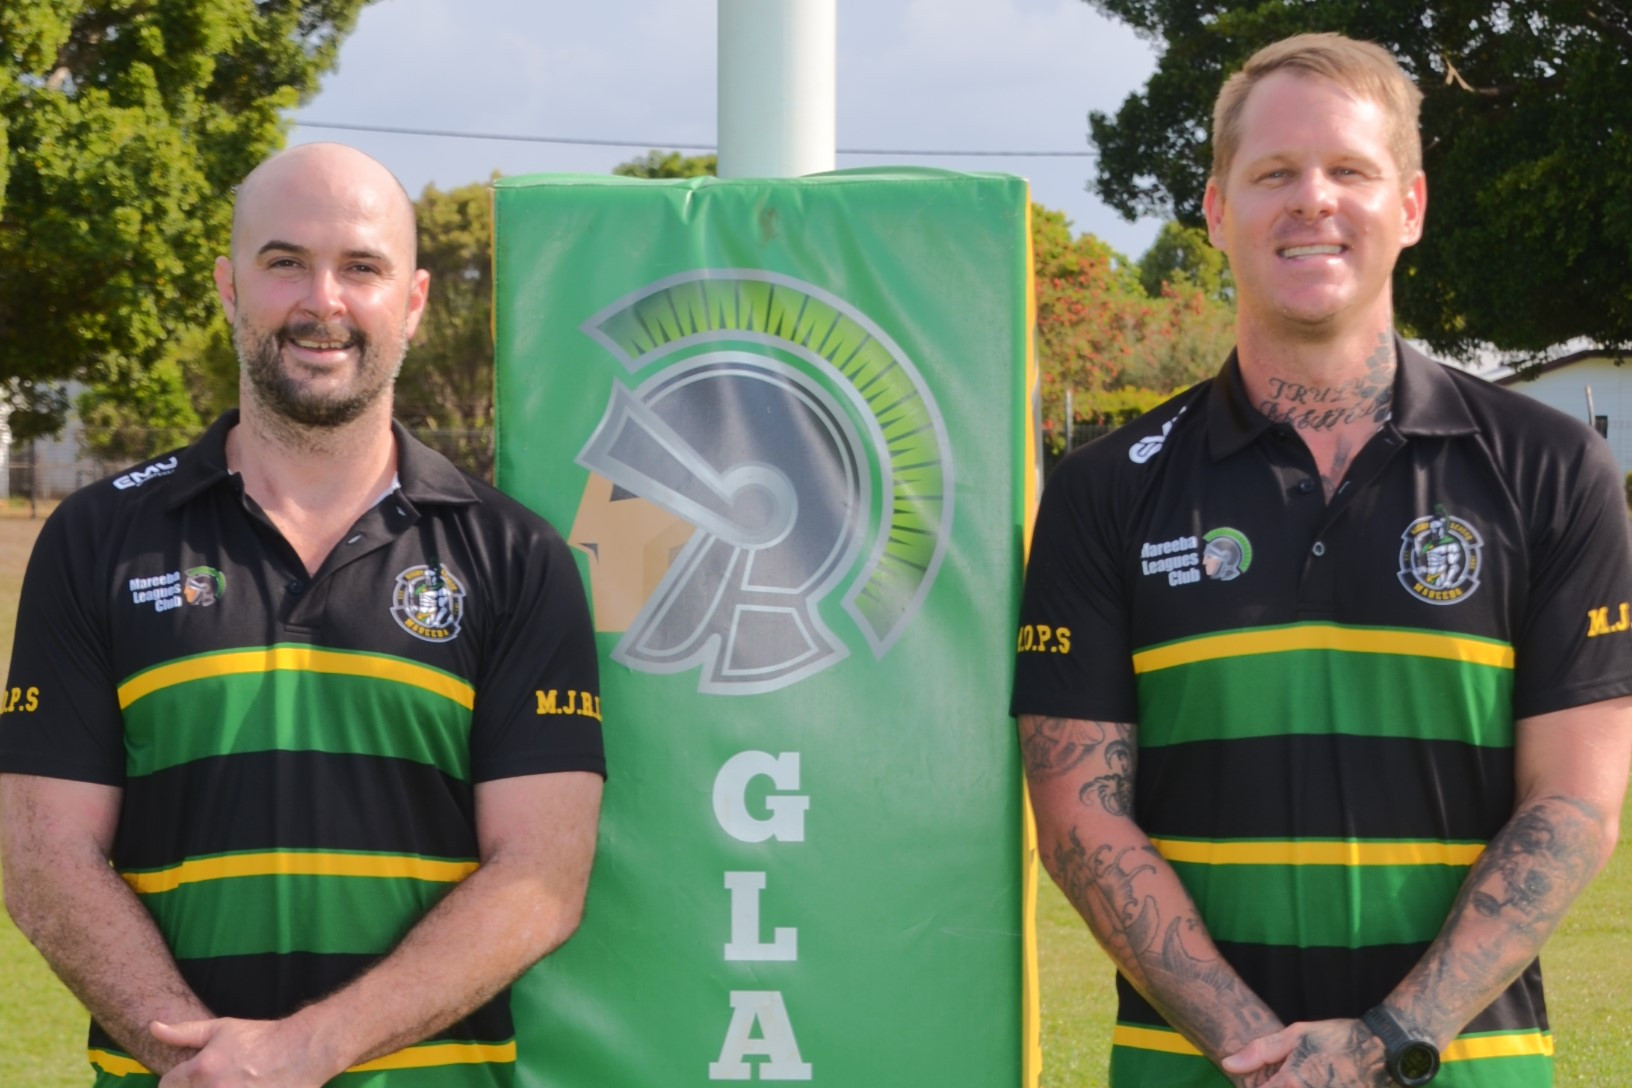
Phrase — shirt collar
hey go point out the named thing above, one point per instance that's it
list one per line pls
(1426, 403)
(426, 476)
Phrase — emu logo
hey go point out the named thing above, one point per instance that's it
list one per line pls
(777, 450)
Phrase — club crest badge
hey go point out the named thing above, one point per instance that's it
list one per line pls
(1440, 558)
(202, 587)
(1227, 556)
(428, 602)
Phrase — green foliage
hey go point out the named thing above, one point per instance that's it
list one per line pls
(447, 380)
(124, 126)
(1183, 257)
(208, 363)
(37, 407)
(1629, 490)
(1526, 141)
(132, 414)
(1105, 338)
(669, 164)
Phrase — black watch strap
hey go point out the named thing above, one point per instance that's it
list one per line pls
(1410, 1061)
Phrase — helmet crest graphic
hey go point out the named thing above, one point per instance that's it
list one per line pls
(789, 432)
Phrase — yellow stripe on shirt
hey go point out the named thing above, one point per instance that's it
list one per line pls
(1325, 636)
(298, 863)
(311, 659)
(1317, 852)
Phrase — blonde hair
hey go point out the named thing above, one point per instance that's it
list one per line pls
(1361, 68)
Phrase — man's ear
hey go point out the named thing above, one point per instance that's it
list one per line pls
(1212, 206)
(226, 288)
(418, 292)
(1415, 206)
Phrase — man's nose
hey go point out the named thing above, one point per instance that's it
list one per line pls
(1313, 195)
(323, 295)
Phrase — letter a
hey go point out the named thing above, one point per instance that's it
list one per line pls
(775, 1043)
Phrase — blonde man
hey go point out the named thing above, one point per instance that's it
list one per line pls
(1324, 813)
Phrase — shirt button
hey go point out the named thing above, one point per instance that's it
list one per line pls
(1319, 549)
(296, 587)
(1306, 486)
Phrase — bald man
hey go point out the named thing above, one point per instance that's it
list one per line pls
(305, 762)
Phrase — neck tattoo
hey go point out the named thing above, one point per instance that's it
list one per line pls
(1368, 397)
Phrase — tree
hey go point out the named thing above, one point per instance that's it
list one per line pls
(1527, 147)
(446, 383)
(1183, 257)
(146, 413)
(1116, 347)
(124, 126)
(669, 164)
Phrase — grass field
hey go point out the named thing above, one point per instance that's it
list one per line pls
(1589, 965)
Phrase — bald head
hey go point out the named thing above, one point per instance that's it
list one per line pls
(331, 178)
(321, 287)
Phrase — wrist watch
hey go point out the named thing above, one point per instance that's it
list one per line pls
(1410, 1061)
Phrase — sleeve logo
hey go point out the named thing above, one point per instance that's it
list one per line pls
(1598, 621)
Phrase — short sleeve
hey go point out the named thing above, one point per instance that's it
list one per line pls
(538, 697)
(1072, 656)
(1574, 640)
(62, 716)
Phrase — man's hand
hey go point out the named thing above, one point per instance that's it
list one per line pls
(1322, 1054)
(244, 1054)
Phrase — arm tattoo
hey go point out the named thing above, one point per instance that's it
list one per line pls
(1054, 746)
(1199, 994)
(1126, 892)
(1510, 903)
(1114, 790)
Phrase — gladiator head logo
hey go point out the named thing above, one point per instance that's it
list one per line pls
(775, 477)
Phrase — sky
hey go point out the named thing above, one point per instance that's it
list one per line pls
(912, 75)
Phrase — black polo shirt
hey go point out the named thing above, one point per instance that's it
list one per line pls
(297, 753)
(1326, 692)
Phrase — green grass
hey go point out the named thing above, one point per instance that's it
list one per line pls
(42, 1028)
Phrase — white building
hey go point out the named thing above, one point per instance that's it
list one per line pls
(1564, 384)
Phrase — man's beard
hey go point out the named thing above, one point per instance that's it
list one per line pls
(261, 357)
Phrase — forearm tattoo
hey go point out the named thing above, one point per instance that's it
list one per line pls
(1513, 898)
(1117, 888)
(1198, 994)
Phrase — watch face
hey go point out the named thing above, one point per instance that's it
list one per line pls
(1416, 1064)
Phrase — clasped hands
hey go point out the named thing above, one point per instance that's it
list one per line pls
(1324, 1053)
(232, 1053)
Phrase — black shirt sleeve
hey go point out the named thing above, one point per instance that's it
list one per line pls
(1073, 658)
(1573, 645)
(538, 699)
(62, 715)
